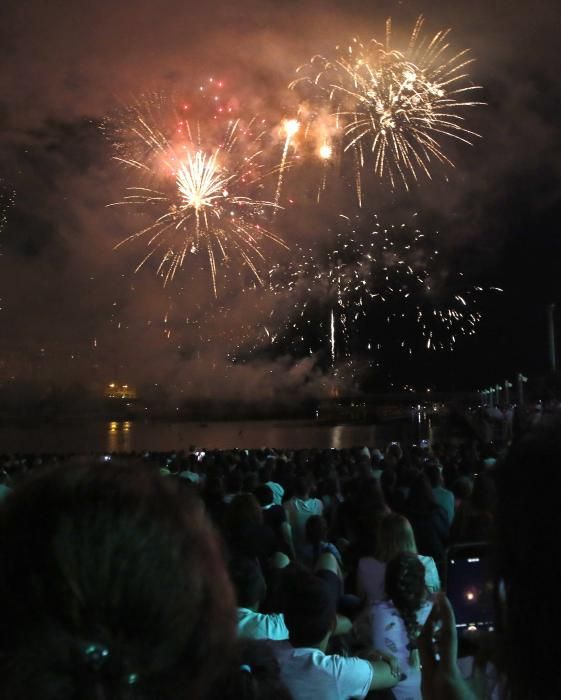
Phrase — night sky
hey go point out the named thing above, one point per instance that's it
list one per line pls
(72, 311)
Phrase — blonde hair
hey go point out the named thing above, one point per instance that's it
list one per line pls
(395, 535)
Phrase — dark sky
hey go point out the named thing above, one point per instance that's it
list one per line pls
(71, 309)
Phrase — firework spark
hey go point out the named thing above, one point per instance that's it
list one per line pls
(7, 200)
(396, 106)
(200, 187)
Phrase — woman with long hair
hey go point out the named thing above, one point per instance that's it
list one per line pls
(244, 530)
(397, 621)
(394, 535)
(318, 540)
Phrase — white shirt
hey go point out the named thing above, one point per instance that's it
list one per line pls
(371, 575)
(278, 492)
(390, 635)
(254, 625)
(298, 511)
(309, 674)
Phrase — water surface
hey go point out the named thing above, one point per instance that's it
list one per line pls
(126, 436)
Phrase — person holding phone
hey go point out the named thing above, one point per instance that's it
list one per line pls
(527, 569)
(438, 654)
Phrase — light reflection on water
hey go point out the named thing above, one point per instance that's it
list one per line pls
(126, 436)
(119, 436)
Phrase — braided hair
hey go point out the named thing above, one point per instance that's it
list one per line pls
(405, 586)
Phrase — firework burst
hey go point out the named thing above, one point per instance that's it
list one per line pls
(370, 286)
(395, 106)
(202, 185)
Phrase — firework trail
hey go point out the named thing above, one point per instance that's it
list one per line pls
(290, 129)
(394, 106)
(201, 185)
(332, 338)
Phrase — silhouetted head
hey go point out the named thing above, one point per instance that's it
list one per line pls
(115, 589)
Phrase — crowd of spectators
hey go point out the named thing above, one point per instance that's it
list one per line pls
(267, 573)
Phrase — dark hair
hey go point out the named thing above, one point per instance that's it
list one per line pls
(115, 568)
(421, 499)
(234, 482)
(388, 481)
(264, 495)
(370, 497)
(484, 496)
(405, 586)
(463, 487)
(250, 482)
(243, 511)
(214, 488)
(308, 607)
(316, 532)
(248, 580)
(266, 472)
(434, 474)
(255, 675)
(303, 485)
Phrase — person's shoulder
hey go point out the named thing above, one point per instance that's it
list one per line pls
(352, 675)
(331, 548)
(246, 615)
(370, 563)
(424, 611)
(426, 560)
(273, 627)
(282, 649)
(384, 605)
(334, 663)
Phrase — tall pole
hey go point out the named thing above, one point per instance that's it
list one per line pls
(551, 337)
(520, 381)
(508, 386)
(498, 389)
